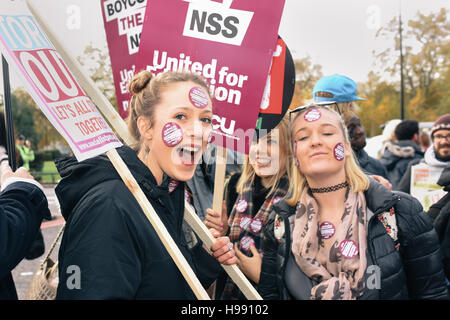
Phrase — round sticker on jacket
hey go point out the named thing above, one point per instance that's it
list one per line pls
(348, 248)
(277, 199)
(173, 184)
(172, 134)
(245, 222)
(246, 243)
(339, 152)
(256, 225)
(241, 206)
(198, 97)
(312, 115)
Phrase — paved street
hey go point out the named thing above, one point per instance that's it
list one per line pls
(23, 273)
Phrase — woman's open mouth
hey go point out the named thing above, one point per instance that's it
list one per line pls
(189, 155)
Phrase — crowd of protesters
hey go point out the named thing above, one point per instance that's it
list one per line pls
(308, 214)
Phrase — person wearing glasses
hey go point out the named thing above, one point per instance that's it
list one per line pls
(349, 237)
(437, 155)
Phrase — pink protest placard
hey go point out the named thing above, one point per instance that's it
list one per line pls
(230, 43)
(51, 84)
(123, 22)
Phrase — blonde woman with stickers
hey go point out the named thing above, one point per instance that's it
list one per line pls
(109, 249)
(348, 236)
(250, 196)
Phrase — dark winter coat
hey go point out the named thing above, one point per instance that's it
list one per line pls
(370, 165)
(396, 158)
(22, 208)
(413, 272)
(440, 211)
(111, 242)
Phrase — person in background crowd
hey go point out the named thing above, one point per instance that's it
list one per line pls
(250, 196)
(340, 93)
(107, 235)
(358, 142)
(23, 205)
(388, 135)
(440, 212)
(424, 140)
(26, 153)
(399, 154)
(438, 155)
(345, 226)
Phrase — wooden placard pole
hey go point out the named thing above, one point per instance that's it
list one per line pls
(219, 179)
(119, 125)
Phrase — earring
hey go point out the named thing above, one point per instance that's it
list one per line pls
(146, 152)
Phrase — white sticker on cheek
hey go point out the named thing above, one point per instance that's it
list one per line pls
(339, 152)
(312, 115)
(198, 97)
(172, 134)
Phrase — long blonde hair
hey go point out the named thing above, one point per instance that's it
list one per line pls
(356, 178)
(248, 173)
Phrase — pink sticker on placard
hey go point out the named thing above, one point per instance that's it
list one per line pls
(256, 225)
(172, 134)
(348, 248)
(198, 97)
(245, 222)
(173, 184)
(247, 242)
(312, 115)
(339, 152)
(326, 230)
(241, 206)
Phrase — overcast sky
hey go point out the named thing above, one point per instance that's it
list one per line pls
(337, 34)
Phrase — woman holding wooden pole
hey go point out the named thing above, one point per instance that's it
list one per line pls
(109, 249)
(250, 196)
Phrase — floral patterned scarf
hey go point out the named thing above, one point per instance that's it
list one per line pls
(340, 272)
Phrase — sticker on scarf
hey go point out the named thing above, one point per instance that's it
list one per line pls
(246, 242)
(256, 225)
(326, 230)
(173, 184)
(278, 228)
(339, 152)
(312, 115)
(172, 134)
(348, 248)
(198, 97)
(245, 222)
(241, 206)
(276, 199)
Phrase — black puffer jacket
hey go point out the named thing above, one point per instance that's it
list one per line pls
(396, 158)
(414, 271)
(370, 165)
(117, 251)
(440, 212)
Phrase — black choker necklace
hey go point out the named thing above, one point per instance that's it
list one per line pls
(329, 189)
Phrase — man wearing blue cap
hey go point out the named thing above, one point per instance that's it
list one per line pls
(340, 92)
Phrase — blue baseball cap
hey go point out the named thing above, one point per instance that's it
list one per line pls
(336, 88)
